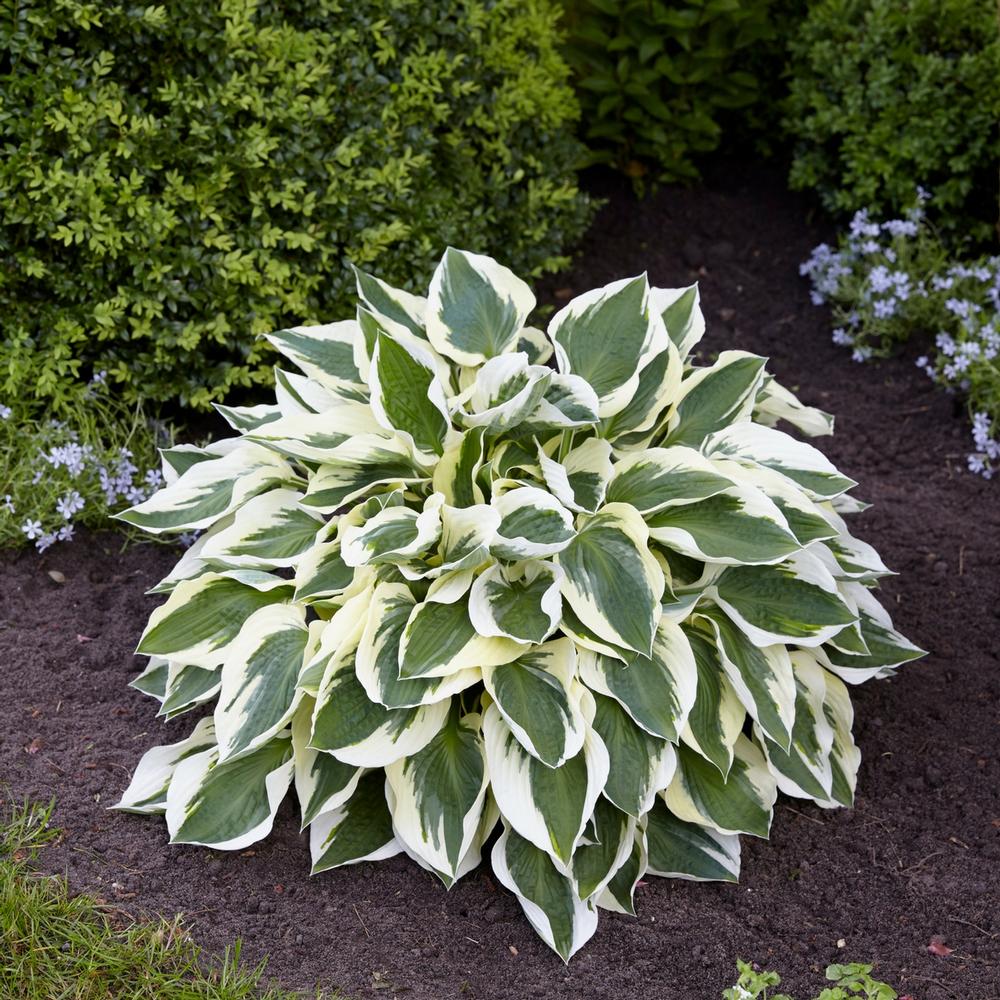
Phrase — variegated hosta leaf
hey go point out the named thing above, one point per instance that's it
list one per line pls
(775, 402)
(208, 490)
(325, 353)
(737, 527)
(524, 605)
(658, 690)
(640, 764)
(800, 462)
(202, 616)
(549, 806)
(679, 849)
(539, 699)
(610, 363)
(547, 896)
(322, 783)
(147, 791)
(406, 394)
(228, 805)
(475, 308)
(439, 793)
(506, 392)
(658, 478)
(716, 718)
(710, 399)
(259, 678)
(612, 581)
(359, 829)
(796, 601)
(761, 676)
(580, 480)
(269, 531)
(740, 803)
(887, 648)
(803, 769)
(442, 584)
(680, 309)
(533, 525)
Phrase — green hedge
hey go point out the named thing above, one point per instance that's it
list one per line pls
(887, 95)
(176, 180)
(659, 80)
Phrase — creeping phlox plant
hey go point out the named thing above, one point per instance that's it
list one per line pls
(887, 280)
(605, 608)
(57, 473)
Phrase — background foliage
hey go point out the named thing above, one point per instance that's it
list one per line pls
(178, 179)
(889, 95)
(657, 79)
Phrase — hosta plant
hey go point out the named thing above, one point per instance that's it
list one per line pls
(602, 607)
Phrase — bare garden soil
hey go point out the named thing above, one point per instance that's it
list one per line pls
(917, 858)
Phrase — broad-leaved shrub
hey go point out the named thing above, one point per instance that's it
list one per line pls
(657, 79)
(176, 180)
(888, 96)
(605, 606)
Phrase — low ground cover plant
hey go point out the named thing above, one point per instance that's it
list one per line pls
(886, 96)
(605, 607)
(656, 80)
(851, 980)
(178, 179)
(888, 281)
(60, 473)
(53, 944)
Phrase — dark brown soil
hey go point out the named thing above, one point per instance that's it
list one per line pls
(918, 857)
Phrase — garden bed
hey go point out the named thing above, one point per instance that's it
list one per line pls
(919, 856)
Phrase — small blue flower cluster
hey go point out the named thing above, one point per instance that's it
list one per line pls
(83, 469)
(888, 280)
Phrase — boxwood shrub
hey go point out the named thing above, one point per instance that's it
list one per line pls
(889, 96)
(176, 180)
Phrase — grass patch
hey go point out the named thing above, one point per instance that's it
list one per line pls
(54, 946)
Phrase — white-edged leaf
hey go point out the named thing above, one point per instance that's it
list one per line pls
(796, 601)
(612, 581)
(547, 896)
(147, 791)
(743, 802)
(657, 691)
(438, 795)
(657, 478)
(406, 395)
(540, 702)
(761, 676)
(773, 449)
(580, 480)
(715, 397)
(524, 605)
(640, 764)
(202, 616)
(259, 675)
(475, 307)
(322, 782)
(269, 531)
(679, 849)
(607, 336)
(533, 524)
(548, 806)
(229, 805)
(359, 829)
(209, 489)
